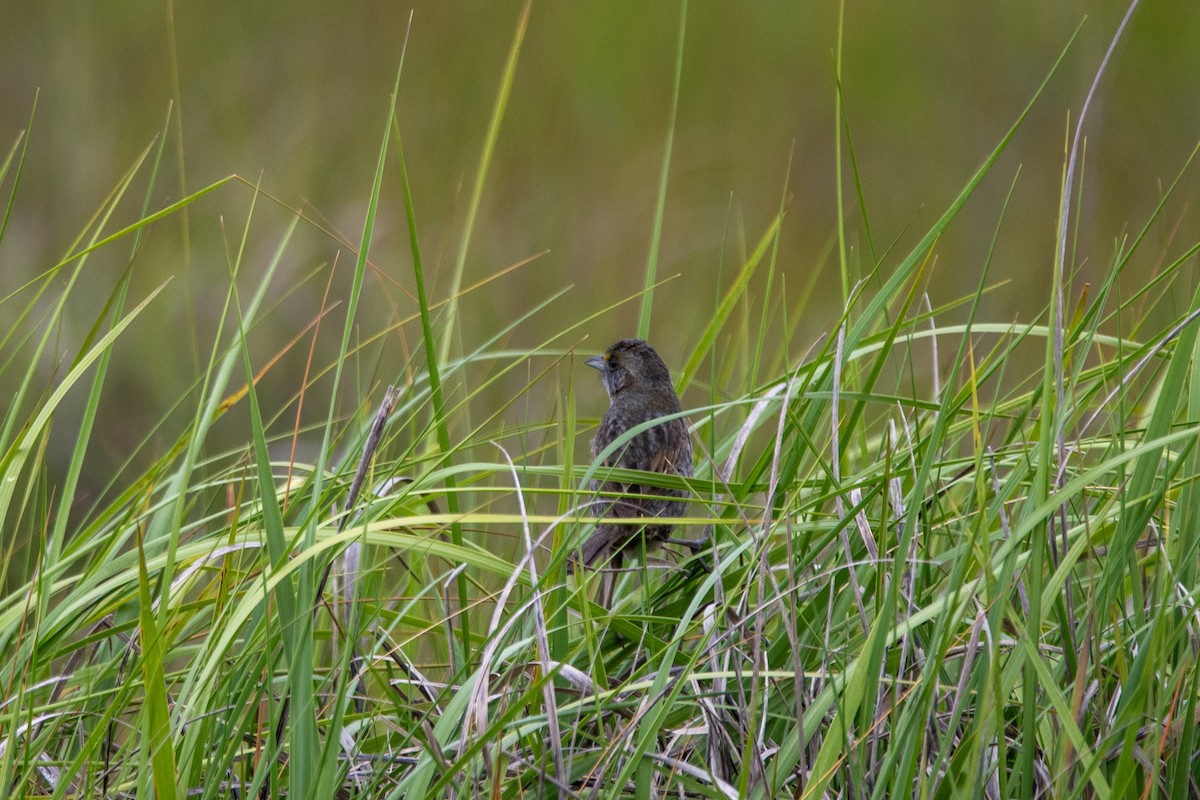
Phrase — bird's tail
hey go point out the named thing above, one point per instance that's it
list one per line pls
(595, 550)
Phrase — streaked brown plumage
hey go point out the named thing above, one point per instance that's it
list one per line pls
(639, 389)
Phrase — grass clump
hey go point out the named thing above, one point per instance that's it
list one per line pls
(930, 569)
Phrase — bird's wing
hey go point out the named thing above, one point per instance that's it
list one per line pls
(672, 454)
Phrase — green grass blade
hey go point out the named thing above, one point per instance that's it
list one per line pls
(157, 730)
(651, 278)
(450, 320)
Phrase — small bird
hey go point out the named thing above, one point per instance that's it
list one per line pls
(639, 389)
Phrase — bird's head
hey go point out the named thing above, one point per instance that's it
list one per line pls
(632, 366)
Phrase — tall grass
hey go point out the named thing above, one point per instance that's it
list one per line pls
(929, 570)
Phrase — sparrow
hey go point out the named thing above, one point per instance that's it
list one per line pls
(639, 389)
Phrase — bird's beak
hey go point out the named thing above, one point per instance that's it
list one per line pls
(596, 362)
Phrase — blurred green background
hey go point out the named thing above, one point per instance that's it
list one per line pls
(298, 94)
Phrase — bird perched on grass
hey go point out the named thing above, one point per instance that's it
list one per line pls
(639, 389)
